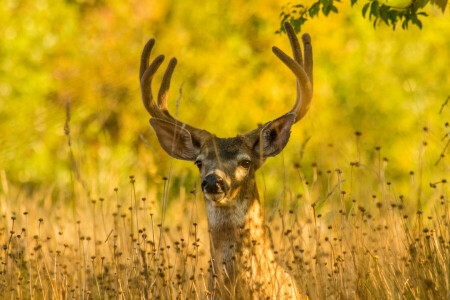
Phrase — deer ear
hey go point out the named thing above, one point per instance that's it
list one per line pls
(175, 140)
(274, 136)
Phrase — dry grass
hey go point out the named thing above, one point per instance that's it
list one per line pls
(366, 242)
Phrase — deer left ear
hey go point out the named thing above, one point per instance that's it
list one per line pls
(175, 140)
(274, 136)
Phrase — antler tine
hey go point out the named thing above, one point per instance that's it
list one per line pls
(165, 85)
(302, 68)
(147, 97)
(146, 73)
(296, 51)
(146, 88)
(295, 45)
(308, 56)
(145, 57)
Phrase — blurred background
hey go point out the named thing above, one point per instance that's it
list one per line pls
(388, 85)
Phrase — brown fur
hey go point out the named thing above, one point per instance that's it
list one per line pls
(243, 260)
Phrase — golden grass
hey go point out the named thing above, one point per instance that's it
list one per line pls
(382, 249)
(366, 242)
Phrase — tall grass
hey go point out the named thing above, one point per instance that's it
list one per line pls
(342, 232)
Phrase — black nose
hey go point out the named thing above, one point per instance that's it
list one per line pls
(213, 184)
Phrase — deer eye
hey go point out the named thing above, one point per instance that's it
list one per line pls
(198, 163)
(245, 163)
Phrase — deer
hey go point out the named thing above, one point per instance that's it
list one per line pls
(242, 260)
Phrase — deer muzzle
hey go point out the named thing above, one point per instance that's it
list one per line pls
(214, 184)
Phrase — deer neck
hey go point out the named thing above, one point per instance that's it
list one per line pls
(238, 230)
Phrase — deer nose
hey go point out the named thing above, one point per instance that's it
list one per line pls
(213, 184)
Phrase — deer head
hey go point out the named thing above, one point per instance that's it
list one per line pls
(227, 165)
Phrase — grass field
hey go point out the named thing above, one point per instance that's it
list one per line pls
(344, 233)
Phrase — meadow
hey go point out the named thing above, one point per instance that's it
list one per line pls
(356, 206)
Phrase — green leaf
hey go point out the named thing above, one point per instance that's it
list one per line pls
(393, 15)
(381, 10)
(314, 9)
(384, 14)
(283, 19)
(418, 23)
(297, 24)
(405, 24)
(364, 10)
(326, 9)
(419, 4)
(442, 4)
(374, 9)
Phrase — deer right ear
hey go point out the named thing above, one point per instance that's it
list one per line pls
(274, 136)
(175, 140)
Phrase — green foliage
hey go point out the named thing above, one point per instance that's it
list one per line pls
(82, 51)
(389, 12)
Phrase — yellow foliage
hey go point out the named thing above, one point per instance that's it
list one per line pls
(388, 85)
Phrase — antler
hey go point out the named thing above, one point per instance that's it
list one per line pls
(302, 69)
(146, 74)
(301, 66)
